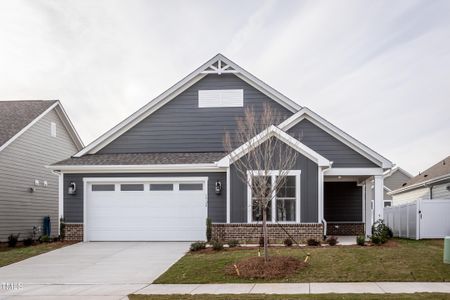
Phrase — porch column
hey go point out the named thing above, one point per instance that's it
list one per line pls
(367, 198)
(378, 197)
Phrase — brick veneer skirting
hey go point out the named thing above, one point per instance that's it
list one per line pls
(74, 232)
(251, 233)
(345, 229)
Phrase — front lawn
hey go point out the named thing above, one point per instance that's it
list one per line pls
(399, 260)
(12, 255)
(294, 297)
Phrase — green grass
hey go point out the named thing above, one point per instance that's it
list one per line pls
(417, 296)
(12, 255)
(407, 261)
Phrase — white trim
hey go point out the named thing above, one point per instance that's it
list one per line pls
(420, 184)
(116, 180)
(61, 195)
(143, 179)
(12, 139)
(64, 117)
(85, 222)
(353, 171)
(306, 113)
(320, 184)
(390, 172)
(139, 168)
(175, 90)
(273, 174)
(228, 183)
(378, 197)
(260, 138)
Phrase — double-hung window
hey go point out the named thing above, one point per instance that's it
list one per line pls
(284, 200)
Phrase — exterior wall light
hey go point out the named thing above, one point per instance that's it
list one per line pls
(218, 187)
(72, 190)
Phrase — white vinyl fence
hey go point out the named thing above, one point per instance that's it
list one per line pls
(421, 219)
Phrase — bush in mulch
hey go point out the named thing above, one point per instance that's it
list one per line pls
(275, 267)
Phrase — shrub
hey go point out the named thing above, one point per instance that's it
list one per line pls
(313, 242)
(233, 243)
(332, 241)
(28, 241)
(208, 229)
(45, 239)
(287, 242)
(361, 240)
(261, 241)
(381, 232)
(198, 246)
(377, 240)
(13, 239)
(217, 245)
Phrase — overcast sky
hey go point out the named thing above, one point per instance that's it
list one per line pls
(379, 70)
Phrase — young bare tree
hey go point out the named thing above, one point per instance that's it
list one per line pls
(264, 159)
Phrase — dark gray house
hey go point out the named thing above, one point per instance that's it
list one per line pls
(33, 134)
(161, 172)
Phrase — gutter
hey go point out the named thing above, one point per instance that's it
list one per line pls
(421, 184)
(208, 167)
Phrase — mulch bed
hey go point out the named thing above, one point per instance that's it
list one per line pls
(256, 267)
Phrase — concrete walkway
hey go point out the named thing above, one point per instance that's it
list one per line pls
(298, 288)
(102, 270)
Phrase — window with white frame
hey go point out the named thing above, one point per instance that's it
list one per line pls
(257, 212)
(284, 204)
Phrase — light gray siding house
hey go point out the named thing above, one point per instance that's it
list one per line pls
(161, 172)
(394, 179)
(33, 134)
(433, 183)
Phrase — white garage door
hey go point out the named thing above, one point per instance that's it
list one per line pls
(154, 209)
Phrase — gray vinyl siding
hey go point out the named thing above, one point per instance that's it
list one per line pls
(73, 204)
(342, 202)
(441, 191)
(22, 162)
(329, 147)
(308, 192)
(393, 182)
(181, 126)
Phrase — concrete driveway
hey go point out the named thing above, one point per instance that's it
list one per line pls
(102, 270)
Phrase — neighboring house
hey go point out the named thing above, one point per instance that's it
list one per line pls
(161, 172)
(33, 134)
(433, 183)
(394, 179)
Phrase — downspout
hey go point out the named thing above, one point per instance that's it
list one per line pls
(324, 222)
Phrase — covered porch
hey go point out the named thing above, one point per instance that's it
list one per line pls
(352, 199)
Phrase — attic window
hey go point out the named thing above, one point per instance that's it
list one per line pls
(53, 129)
(220, 98)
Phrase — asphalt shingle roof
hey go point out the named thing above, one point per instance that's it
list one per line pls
(15, 115)
(143, 159)
(440, 169)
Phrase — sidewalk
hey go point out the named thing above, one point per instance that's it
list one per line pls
(298, 288)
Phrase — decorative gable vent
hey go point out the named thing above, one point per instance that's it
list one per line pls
(221, 98)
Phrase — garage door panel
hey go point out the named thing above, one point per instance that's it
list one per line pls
(146, 215)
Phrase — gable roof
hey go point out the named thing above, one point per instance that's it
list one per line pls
(219, 64)
(438, 172)
(306, 113)
(19, 115)
(274, 131)
(397, 169)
